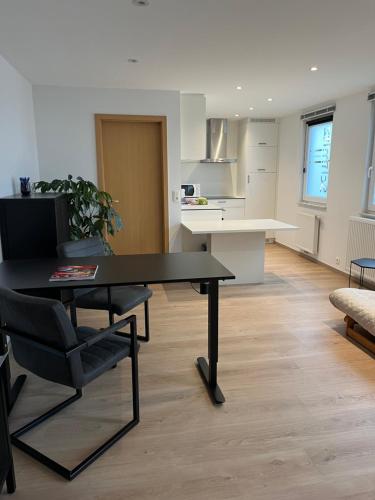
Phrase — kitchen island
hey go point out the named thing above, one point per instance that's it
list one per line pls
(238, 244)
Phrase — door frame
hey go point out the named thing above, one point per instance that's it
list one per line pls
(99, 120)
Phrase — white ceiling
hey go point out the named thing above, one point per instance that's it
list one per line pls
(204, 46)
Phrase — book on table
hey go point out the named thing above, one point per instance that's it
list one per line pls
(74, 273)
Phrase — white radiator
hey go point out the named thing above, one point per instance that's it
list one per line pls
(361, 243)
(308, 233)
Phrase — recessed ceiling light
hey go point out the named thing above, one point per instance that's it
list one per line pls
(133, 60)
(239, 87)
(141, 3)
(251, 108)
(269, 99)
(236, 115)
(314, 68)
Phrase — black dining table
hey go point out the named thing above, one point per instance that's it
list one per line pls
(32, 276)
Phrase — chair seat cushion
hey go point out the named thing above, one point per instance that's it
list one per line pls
(123, 298)
(100, 357)
(357, 304)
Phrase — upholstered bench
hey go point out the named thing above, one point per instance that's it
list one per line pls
(359, 307)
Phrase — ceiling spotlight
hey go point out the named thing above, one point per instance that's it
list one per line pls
(141, 3)
(269, 99)
(133, 60)
(239, 87)
(236, 115)
(251, 108)
(314, 68)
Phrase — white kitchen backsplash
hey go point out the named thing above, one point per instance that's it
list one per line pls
(215, 179)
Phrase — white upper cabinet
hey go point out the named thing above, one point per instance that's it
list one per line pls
(262, 159)
(262, 134)
(193, 127)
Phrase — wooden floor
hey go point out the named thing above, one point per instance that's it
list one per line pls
(298, 424)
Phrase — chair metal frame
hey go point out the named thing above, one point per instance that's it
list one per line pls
(66, 473)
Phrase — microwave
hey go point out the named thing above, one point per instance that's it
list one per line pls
(193, 190)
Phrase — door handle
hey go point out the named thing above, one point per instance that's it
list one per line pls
(261, 169)
(248, 179)
(262, 143)
(115, 201)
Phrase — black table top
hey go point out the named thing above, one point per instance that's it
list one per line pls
(115, 270)
(368, 263)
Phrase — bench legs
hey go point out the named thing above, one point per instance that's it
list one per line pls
(359, 335)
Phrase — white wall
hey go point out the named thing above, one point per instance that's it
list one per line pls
(66, 132)
(349, 144)
(18, 155)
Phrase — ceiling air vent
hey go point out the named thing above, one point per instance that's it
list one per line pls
(262, 120)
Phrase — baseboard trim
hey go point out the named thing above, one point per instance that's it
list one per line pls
(317, 261)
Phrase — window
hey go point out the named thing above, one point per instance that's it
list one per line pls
(317, 159)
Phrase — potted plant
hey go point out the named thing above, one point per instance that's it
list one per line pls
(90, 210)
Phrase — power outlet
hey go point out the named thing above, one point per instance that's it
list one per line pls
(338, 261)
(176, 195)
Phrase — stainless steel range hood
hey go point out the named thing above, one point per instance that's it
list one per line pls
(217, 142)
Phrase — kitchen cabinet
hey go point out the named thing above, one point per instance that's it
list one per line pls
(262, 133)
(196, 215)
(193, 127)
(233, 208)
(261, 196)
(233, 213)
(257, 167)
(262, 159)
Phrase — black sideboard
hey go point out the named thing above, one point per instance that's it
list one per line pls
(32, 226)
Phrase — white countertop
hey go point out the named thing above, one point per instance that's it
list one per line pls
(237, 226)
(210, 206)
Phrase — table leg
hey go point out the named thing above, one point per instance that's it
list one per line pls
(11, 480)
(208, 370)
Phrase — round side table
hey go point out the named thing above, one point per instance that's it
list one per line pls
(362, 264)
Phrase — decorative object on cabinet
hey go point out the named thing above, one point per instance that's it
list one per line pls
(90, 210)
(25, 186)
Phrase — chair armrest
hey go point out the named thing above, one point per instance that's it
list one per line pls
(110, 330)
(81, 345)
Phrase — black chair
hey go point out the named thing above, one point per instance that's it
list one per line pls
(116, 300)
(45, 343)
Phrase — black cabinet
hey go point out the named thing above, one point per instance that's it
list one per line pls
(32, 226)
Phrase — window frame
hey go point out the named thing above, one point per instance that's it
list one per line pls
(305, 198)
(370, 163)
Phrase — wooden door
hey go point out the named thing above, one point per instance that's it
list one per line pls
(132, 167)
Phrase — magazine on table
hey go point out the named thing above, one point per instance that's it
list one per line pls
(74, 273)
